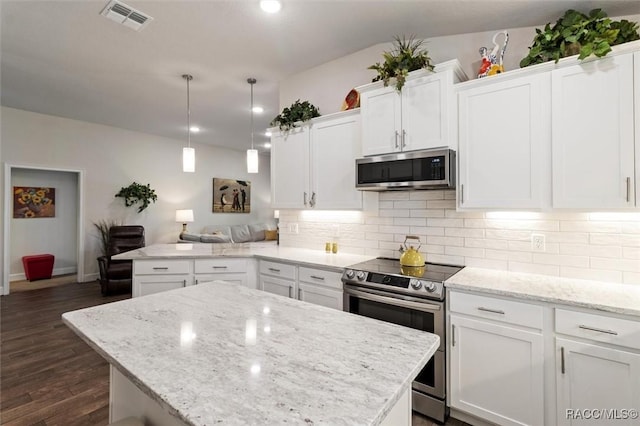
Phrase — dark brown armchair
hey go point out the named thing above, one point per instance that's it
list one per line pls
(115, 275)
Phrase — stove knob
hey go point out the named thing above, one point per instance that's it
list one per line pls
(416, 284)
(361, 275)
(350, 274)
(430, 287)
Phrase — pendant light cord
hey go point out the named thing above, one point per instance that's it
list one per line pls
(188, 77)
(251, 81)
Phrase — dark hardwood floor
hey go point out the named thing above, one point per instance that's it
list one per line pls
(48, 375)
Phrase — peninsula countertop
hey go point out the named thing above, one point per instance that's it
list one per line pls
(603, 296)
(335, 261)
(220, 352)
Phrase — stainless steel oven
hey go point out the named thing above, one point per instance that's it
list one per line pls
(378, 289)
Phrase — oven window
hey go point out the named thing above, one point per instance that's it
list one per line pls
(398, 315)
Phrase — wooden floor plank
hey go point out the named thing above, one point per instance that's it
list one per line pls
(48, 375)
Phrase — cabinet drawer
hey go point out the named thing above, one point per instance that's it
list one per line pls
(161, 267)
(276, 269)
(600, 328)
(496, 309)
(220, 266)
(320, 277)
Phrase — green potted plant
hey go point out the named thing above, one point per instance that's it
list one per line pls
(578, 34)
(295, 114)
(135, 193)
(408, 55)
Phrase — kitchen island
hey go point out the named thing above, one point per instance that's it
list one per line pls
(217, 352)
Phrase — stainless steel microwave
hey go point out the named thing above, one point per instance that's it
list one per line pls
(426, 169)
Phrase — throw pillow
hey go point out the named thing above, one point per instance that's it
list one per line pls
(189, 237)
(240, 234)
(257, 232)
(270, 235)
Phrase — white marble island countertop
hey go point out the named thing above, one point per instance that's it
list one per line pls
(217, 352)
(337, 261)
(602, 296)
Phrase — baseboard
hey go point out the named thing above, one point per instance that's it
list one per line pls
(89, 277)
(56, 271)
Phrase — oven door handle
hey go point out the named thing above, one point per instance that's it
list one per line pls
(424, 307)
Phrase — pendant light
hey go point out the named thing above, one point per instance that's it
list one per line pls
(252, 154)
(188, 153)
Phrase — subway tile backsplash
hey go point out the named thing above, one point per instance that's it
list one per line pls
(594, 246)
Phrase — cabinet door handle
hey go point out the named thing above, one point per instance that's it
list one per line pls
(453, 335)
(184, 283)
(305, 199)
(158, 268)
(312, 200)
(404, 137)
(219, 267)
(397, 136)
(315, 277)
(274, 270)
(299, 294)
(628, 189)
(493, 311)
(461, 194)
(290, 288)
(196, 282)
(562, 366)
(598, 330)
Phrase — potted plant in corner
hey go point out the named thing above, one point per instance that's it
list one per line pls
(408, 55)
(578, 34)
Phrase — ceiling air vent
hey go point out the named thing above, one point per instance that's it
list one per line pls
(125, 15)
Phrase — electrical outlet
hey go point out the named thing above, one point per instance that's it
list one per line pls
(293, 228)
(537, 242)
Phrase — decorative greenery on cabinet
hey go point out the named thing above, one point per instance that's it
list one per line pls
(407, 55)
(576, 33)
(298, 112)
(135, 193)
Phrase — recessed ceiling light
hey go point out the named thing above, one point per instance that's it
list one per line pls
(270, 6)
(194, 129)
(267, 145)
(267, 134)
(258, 109)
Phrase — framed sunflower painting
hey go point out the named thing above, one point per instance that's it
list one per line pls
(30, 202)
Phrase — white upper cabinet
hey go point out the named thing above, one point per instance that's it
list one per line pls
(335, 144)
(290, 168)
(314, 166)
(593, 134)
(419, 117)
(504, 142)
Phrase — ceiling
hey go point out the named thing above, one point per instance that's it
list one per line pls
(62, 58)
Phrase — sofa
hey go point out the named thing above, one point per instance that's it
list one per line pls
(232, 234)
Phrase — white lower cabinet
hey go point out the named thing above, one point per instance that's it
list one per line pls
(595, 378)
(320, 287)
(513, 362)
(317, 286)
(496, 368)
(156, 275)
(234, 270)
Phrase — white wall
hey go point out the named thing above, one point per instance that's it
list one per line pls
(52, 235)
(112, 158)
(326, 85)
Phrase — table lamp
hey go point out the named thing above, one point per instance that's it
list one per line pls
(184, 216)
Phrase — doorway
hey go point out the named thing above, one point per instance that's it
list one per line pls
(76, 177)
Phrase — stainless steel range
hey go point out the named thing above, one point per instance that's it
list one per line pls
(413, 297)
